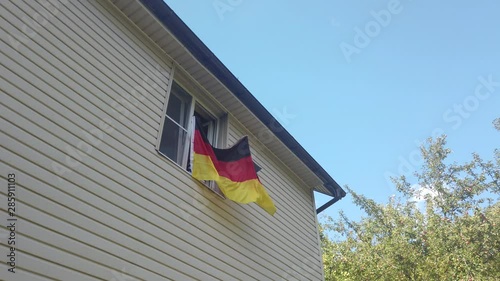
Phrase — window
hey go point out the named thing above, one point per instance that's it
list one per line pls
(175, 138)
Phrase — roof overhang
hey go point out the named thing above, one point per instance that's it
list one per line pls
(171, 34)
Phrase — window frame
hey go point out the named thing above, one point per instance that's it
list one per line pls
(218, 132)
(187, 127)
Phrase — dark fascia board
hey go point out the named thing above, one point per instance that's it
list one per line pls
(203, 54)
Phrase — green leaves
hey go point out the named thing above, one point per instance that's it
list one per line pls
(454, 235)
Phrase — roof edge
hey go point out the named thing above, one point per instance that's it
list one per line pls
(205, 56)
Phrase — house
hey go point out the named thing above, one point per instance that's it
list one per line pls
(95, 98)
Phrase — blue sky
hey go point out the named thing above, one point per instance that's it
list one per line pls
(360, 83)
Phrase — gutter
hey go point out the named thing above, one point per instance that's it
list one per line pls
(329, 203)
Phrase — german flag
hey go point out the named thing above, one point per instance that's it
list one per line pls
(232, 169)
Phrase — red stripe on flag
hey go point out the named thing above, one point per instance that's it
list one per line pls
(237, 171)
(202, 147)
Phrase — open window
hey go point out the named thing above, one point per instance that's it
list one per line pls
(175, 142)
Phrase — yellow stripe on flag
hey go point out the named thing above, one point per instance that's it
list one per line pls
(242, 192)
(203, 168)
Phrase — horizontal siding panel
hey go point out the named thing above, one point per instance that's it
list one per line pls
(22, 273)
(144, 224)
(122, 59)
(100, 168)
(71, 83)
(33, 265)
(53, 97)
(298, 190)
(121, 192)
(302, 241)
(289, 189)
(57, 252)
(86, 233)
(125, 57)
(62, 145)
(127, 36)
(114, 165)
(123, 181)
(106, 264)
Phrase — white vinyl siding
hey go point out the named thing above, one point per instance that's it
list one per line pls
(295, 206)
(86, 92)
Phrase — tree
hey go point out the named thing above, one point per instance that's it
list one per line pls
(446, 227)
